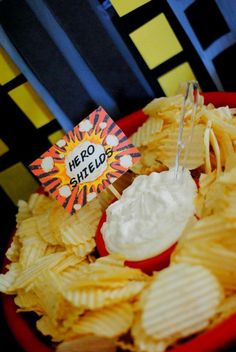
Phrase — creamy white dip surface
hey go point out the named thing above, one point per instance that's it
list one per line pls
(150, 216)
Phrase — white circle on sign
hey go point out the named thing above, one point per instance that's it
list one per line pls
(103, 125)
(126, 161)
(61, 156)
(86, 162)
(111, 140)
(85, 126)
(65, 191)
(61, 143)
(47, 164)
(77, 206)
(91, 196)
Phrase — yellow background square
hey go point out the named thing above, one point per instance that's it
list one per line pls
(8, 69)
(123, 7)
(156, 41)
(55, 136)
(170, 81)
(18, 182)
(31, 104)
(3, 147)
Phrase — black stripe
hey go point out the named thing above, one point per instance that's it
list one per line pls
(54, 188)
(111, 127)
(118, 132)
(168, 65)
(66, 202)
(123, 140)
(50, 127)
(96, 119)
(138, 17)
(46, 174)
(14, 83)
(47, 183)
(84, 195)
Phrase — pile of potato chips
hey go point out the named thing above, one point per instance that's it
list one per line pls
(85, 303)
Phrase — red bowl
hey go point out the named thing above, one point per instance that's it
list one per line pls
(149, 265)
(212, 340)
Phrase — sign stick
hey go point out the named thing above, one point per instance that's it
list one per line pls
(114, 191)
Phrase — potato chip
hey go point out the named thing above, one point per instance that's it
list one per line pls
(39, 203)
(166, 150)
(216, 150)
(111, 261)
(28, 301)
(23, 212)
(205, 181)
(180, 302)
(125, 346)
(89, 343)
(69, 260)
(144, 342)
(226, 147)
(26, 229)
(207, 149)
(145, 133)
(43, 228)
(57, 218)
(230, 162)
(48, 328)
(13, 252)
(109, 322)
(80, 227)
(84, 249)
(7, 280)
(224, 310)
(213, 256)
(29, 274)
(95, 298)
(49, 297)
(32, 249)
(106, 272)
(54, 249)
(208, 228)
(218, 124)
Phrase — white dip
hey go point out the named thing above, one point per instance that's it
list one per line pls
(150, 216)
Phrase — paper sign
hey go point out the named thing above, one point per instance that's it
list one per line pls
(85, 161)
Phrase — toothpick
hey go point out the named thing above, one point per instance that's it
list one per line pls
(194, 91)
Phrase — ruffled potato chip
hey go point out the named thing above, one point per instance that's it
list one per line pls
(180, 302)
(109, 322)
(96, 297)
(23, 213)
(213, 256)
(166, 150)
(144, 342)
(146, 133)
(89, 343)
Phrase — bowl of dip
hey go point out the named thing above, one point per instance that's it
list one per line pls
(215, 339)
(146, 222)
(158, 262)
